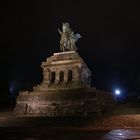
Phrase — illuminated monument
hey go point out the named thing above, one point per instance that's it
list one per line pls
(65, 89)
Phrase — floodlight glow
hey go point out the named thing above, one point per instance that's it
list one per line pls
(117, 92)
(11, 89)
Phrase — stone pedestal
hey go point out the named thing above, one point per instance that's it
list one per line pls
(64, 91)
(66, 68)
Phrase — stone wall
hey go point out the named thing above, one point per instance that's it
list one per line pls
(62, 103)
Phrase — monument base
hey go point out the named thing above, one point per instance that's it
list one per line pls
(64, 91)
(58, 103)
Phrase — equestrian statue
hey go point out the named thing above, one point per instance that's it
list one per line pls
(68, 38)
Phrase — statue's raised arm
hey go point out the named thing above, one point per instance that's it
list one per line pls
(59, 31)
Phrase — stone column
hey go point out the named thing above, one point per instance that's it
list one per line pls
(46, 76)
(65, 76)
(56, 76)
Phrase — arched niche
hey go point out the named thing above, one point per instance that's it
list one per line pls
(61, 76)
(52, 77)
(69, 75)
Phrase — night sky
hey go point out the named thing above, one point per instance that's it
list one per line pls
(110, 43)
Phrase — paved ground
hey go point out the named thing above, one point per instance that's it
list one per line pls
(36, 128)
(121, 124)
(118, 121)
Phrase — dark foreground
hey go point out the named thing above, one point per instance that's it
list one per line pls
(45, 128)
(29, 133)
(123, 125)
